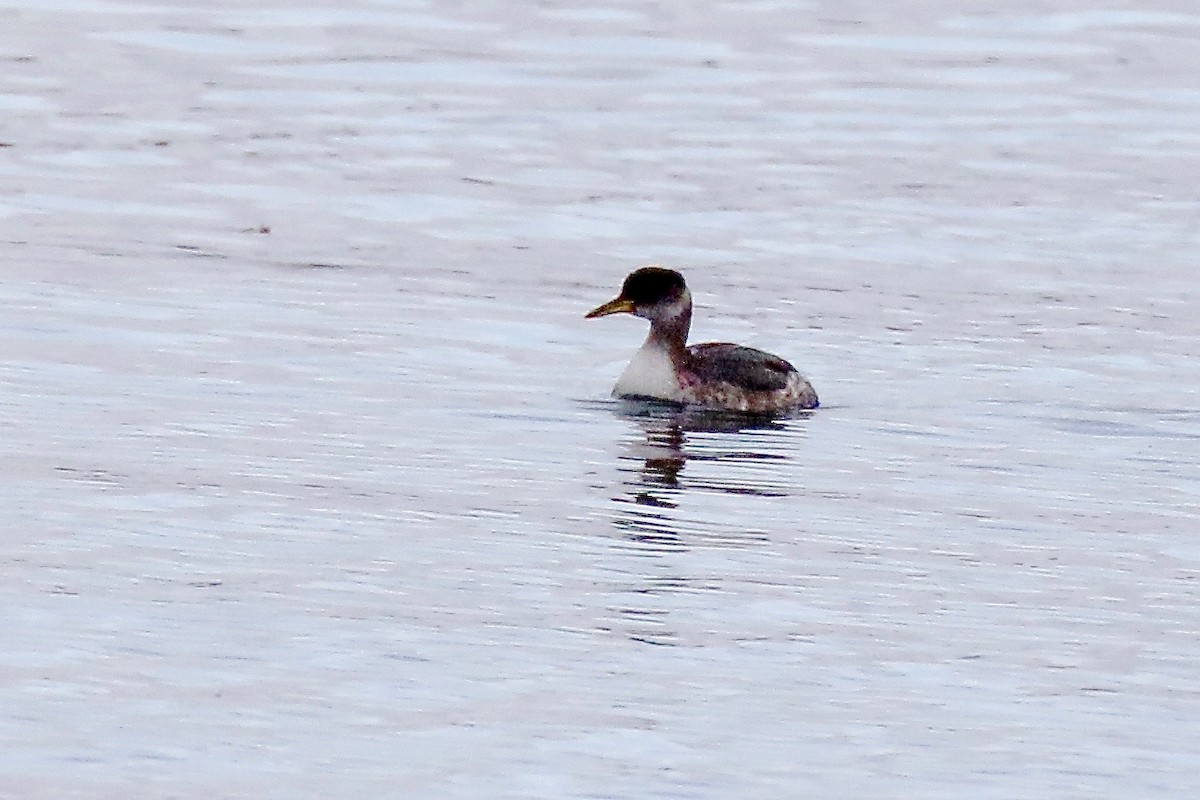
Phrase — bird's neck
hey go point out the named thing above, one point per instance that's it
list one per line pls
(671, 332)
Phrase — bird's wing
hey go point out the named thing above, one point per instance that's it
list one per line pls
(744, 367)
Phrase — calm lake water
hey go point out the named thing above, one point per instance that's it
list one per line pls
(312, 485)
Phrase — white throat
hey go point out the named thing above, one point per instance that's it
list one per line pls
(650, 374)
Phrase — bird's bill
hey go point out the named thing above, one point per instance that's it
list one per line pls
(618, 306)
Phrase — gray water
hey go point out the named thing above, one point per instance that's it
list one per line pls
(312, 487)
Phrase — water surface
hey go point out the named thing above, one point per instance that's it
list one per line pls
(312, 485)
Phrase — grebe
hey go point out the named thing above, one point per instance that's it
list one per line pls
(713, 375)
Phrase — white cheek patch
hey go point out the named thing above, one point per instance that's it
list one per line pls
(675, 309)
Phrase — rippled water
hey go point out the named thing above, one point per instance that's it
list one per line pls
(312, 485)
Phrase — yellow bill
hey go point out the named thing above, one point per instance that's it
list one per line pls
(618, 306)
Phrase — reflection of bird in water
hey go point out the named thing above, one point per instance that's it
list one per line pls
(664, 460)
(651, 512)
(714, 375)
(660, 512)
(735, 443)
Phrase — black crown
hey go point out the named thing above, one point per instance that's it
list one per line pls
(650, 285)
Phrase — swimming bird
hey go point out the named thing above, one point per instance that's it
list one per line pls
(714, 375)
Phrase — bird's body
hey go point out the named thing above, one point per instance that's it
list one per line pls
(713, 375)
